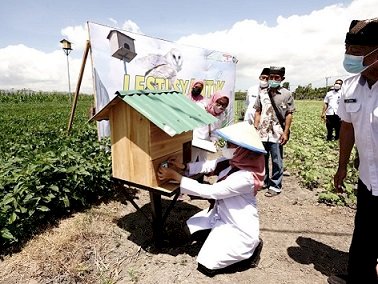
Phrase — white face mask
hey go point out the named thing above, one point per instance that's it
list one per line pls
(228, 153)
(337, 86)
(218, 109)
(263, 84)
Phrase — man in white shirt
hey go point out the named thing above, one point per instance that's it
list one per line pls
(358, 110)
(329, 113)
(253, 93)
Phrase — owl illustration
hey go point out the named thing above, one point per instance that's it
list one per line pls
(163, 66)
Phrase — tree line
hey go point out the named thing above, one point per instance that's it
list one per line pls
(300, 93)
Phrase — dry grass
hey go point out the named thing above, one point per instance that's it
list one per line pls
(80, 249)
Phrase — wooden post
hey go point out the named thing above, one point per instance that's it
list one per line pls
(73, 108)
(157, 218)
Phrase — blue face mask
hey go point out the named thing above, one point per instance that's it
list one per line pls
(355, 63)
(274, 84)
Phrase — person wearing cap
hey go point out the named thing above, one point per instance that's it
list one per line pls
(274, 109)
(253, 93)
(329, 112)
(233, 219)
(358, 110)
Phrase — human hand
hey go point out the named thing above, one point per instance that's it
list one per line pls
(168, 174)
(322, 116)
(284, 138)
(173, 163)
(338, 179)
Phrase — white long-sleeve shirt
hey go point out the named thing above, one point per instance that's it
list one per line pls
(233, 219)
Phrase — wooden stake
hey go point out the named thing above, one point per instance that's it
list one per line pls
(86, 51)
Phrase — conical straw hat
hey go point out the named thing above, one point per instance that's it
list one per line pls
(244, 135)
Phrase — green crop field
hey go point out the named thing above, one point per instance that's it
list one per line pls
(313, 158)
(45, 173)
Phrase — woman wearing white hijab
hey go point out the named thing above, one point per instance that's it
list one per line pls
(233, 219)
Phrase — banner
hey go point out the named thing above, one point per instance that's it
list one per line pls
(122, 60)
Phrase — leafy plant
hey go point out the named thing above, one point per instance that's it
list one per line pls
(43, 171)
(307, 154)
(314, 159)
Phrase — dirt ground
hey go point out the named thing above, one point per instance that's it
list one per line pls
(304, 242)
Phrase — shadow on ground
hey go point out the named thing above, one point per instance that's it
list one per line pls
(177, 239)
(325, 259)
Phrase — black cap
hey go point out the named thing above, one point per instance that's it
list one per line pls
(265, 71)
(364, 32)
(277, 70)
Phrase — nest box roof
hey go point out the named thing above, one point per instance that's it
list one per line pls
(171, 111)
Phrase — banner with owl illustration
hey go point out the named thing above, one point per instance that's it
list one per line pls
(122, 60)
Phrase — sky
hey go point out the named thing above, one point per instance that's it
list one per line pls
(306, 37)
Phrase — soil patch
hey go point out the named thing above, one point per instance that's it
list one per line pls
(304, 242)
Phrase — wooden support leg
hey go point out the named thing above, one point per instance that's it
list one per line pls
(157, 218)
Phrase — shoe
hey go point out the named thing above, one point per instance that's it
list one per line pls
(255, 258)
(337, 279)
(272, 192)
(206, 271)
(251, 262)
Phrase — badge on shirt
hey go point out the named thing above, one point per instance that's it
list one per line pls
(350, 101)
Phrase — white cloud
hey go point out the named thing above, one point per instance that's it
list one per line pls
(128, 25)
(22, 67)
(78, 35)
(131, 27)
(310, 46)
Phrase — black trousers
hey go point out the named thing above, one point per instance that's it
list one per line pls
(363, 251)
(333, 122)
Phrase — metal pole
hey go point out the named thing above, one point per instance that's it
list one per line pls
(326, 78)
(124, 65)
(69, 81)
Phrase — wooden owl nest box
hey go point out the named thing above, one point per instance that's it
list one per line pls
(147, 128)
(122, 46)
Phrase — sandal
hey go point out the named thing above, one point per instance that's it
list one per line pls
(271, 193)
